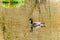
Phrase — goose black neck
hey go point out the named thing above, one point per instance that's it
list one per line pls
(31, 21)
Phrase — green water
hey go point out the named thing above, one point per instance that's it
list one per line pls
(13, 3)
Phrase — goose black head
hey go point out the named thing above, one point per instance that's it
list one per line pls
(31, 20)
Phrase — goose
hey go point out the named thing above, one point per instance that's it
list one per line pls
(35, 24)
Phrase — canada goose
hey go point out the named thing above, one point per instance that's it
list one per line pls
(36, 24)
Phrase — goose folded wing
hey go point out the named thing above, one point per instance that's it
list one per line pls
(36, 24)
